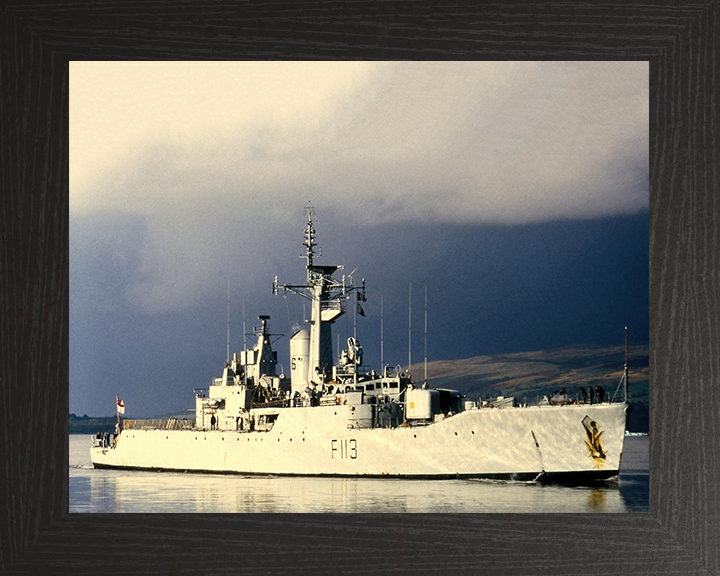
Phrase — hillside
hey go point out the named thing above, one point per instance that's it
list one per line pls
(531, 375)
(540, 373)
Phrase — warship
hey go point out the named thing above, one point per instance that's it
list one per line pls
(336, 417)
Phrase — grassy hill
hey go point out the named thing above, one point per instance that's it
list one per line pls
(531, 375)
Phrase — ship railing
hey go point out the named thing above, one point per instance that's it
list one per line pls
(284, 403)
(104, 440)
(159, 424)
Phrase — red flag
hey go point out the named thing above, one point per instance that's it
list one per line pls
(120, 405)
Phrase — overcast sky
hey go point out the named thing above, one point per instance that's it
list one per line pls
(517, 192)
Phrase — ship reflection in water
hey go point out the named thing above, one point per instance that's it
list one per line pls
(104, 491)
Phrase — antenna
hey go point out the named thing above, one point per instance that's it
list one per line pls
(425, 333)
(309, 237)
(355, 313)
(382, 359)
(228, 322)
(409, 325)
(244, 331)
(626, 390)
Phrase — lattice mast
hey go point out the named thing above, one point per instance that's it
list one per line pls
(328, 298)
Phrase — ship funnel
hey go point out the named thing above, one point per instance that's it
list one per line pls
(299, 360)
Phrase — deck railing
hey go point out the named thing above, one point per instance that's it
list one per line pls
(158, 424)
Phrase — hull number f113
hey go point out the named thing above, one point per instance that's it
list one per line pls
(343, 448)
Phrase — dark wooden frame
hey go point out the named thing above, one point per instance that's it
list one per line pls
(681, 42)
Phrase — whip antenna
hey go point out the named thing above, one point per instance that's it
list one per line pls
(382, 359)
(425, 334)
(627, 390)
(409, 326)
(228, 323)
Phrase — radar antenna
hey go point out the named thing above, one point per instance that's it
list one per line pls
(309, 236)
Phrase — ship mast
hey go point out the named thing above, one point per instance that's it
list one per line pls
(626, 389)
(228, 323)
(409, 327)
(382, 335)
(309, 240)
(425, 380)
(327, 299)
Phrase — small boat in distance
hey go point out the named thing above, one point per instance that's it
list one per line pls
(341, 419)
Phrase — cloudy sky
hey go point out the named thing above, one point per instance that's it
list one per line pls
(516, 192)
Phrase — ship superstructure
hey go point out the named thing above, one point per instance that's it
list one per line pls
(342, 419)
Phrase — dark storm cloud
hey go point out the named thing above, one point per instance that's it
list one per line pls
(491, 288)
(506, 143)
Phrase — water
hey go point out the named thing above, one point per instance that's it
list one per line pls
(105, 491)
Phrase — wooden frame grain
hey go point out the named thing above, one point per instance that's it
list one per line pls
(678, 536)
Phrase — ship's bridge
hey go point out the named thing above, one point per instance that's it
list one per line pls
(331, 309)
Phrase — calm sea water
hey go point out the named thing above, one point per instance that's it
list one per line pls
(105, 491)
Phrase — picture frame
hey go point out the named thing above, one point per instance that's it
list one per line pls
(677, 536)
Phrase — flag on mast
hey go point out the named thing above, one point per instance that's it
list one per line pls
(120, 405)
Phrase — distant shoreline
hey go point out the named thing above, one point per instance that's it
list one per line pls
(92, 425)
